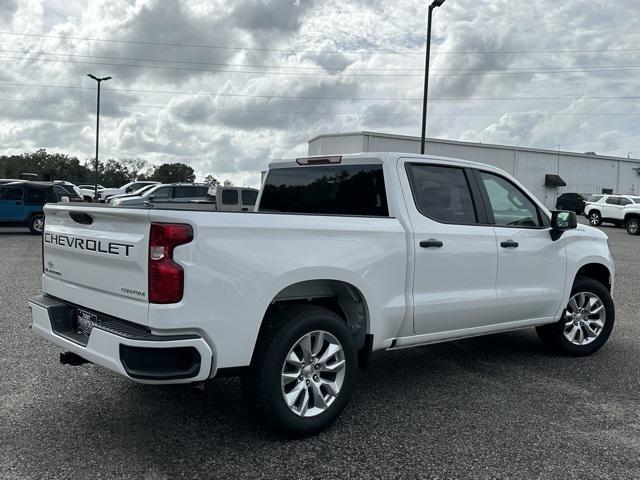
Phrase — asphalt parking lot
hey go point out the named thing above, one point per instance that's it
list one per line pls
(490, 407)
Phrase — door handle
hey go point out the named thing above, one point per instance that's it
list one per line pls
(431, 243)
(509, 244)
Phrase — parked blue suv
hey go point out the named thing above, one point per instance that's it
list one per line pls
(22, 202)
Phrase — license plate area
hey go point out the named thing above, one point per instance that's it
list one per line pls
(85, 321)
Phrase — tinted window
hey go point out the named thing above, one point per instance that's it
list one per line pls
(625, 201)
(509, 205)
(38, 196)
(328, 190)
(189, 192)
(161, 193)
(442, 193)
(635, 199)
(10, 193)
(249, 197)
(229, 197)
(594, 198)
(613, 201)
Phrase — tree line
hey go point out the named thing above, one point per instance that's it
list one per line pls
(112, 173)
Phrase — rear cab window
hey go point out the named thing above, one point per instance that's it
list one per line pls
(326, 190)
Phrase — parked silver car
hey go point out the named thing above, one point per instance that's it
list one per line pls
(165, 193)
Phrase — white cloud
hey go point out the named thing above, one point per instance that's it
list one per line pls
(228, 135)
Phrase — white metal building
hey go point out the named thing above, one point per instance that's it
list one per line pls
(537, 169)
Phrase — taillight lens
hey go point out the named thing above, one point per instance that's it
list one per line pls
(166, 277)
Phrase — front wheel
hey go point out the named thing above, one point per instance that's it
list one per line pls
(595, 219)
(586, 323)
(304, 371)
(36, 224)
(633, 226)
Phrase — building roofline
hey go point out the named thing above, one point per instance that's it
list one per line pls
(472, 144)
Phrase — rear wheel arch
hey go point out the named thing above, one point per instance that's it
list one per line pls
(341, 297)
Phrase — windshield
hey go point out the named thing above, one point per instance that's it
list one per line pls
(140, 191)
(635, 199)
(595, 198)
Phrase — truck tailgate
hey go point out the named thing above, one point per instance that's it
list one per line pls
(96, 257)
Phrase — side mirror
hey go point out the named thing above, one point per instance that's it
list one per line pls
(150, 198)
(64, 199)
(562, 221)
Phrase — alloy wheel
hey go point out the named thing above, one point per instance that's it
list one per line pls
(313, 373)
(38, 224)
(584, 318)
(594, 218)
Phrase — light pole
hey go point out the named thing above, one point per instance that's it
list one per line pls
(99, 80)
(434, 4)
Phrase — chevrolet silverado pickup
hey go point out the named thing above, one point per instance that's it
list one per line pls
(342, 256)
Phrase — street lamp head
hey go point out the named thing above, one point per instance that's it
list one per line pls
(90, 75)
(437, 3)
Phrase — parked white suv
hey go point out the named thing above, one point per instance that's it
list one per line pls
(344, 256)
(609, 209)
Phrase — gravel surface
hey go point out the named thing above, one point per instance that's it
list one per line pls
(491, 407)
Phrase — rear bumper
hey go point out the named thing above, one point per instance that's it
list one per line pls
(128, 349)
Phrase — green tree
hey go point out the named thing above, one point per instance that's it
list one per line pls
(48, 166)
(134, 166)
(113, 173)
(211, 181)
(174, 172)
(227, 183)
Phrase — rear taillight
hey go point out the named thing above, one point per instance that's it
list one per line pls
(166, 277)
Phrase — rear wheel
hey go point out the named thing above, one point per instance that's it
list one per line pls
(633, 226)
(304, 371)
(36, 224)
(595, 219)
(587, 322)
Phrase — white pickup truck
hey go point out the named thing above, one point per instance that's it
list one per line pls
(343, 256)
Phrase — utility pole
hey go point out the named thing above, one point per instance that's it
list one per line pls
(99, 80)
(434, 4)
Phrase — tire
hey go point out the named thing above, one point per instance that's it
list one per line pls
(273, 377)
(594, 218)
(36, 224)
(557, 335)
(633, 226)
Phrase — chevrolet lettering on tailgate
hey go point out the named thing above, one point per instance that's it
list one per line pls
(111, 248)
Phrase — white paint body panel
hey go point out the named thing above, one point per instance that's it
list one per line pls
(237, 264)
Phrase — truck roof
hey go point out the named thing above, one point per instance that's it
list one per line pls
(376, 157)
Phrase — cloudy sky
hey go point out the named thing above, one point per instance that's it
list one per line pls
(227, 85)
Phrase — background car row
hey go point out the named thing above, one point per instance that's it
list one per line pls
(619, 210)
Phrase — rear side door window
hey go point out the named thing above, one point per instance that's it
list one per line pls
(442, 193)
(612, 201)
(509, 205)
(625, 201)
